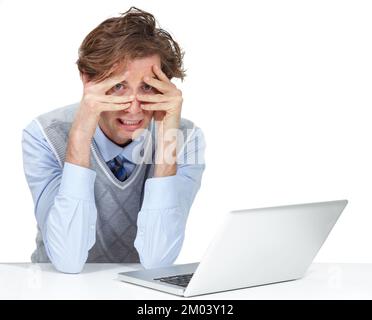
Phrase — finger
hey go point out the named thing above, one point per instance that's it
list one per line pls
(108, 83)
(152, 97)
(160, 74)
(161, 86)
(115, 99)
(113, 106)
(156, 106)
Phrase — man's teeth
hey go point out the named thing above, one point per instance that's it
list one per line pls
(131, 122)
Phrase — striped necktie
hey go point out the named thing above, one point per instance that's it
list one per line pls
(116, 165)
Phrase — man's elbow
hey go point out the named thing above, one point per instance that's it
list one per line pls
(157, 262)
(71, 266)
(152, 264)
(66, 258)
(151, 259)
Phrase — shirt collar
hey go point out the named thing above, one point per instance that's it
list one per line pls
(110, 150)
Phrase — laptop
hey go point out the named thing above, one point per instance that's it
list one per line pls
(251, 248)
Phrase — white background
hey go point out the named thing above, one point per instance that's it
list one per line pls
(281, 89)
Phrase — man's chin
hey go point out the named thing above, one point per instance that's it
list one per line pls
(124, 137)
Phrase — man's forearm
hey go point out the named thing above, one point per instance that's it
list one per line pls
(78, 148)
(160, 222)
(166, 151)
(69, 230)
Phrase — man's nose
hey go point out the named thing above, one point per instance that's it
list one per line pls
(135, 106)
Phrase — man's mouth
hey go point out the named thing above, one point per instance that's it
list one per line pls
(130, 124)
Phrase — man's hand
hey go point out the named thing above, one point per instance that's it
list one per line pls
(167, 113)
(93, 102)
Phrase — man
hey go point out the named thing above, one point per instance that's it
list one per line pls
(110, 179)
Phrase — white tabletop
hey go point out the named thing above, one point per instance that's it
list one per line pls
(99, 281)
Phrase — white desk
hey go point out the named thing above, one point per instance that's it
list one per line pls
(99, 281)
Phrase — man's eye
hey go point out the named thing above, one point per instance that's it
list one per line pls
(118, 86)
(147, 88)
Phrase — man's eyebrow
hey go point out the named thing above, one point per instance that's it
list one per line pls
(142, 82)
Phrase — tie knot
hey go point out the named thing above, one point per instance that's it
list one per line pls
(119, 160)
(116, 165)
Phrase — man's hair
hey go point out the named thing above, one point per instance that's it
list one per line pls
(131, 35)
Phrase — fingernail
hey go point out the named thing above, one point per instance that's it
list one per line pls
(131, 97)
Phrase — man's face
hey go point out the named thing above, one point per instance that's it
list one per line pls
(120, 126)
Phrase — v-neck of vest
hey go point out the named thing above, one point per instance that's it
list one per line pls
(98, 156)
(102, 163)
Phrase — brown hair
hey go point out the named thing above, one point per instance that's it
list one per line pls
(132, 35)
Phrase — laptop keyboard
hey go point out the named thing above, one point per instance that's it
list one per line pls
(181, 280)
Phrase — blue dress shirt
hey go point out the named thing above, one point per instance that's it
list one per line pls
(64, 199)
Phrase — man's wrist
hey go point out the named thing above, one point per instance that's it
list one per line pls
(165, 170)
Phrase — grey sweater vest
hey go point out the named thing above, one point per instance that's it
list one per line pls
(118, 203)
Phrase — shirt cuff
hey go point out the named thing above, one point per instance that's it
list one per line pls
(77, 182)
(161, 193)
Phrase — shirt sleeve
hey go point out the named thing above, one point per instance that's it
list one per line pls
(64, 204)
(167, 201)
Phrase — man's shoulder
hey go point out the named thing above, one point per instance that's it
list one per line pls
(191, 132)
(62, 117)
(189, 125)
(65, 113)
(186, 123)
